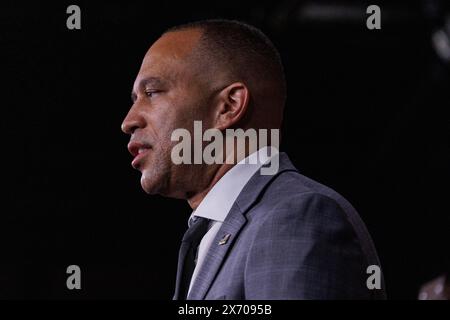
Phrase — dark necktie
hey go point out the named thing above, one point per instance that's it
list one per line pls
(187, 256)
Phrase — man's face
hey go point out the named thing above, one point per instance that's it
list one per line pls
(168, 93)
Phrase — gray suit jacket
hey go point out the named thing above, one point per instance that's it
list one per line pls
(290, 238)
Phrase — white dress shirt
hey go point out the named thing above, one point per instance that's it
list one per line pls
(219, 200)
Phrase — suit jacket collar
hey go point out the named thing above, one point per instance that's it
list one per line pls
(231, 227)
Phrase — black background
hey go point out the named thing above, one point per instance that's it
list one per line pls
(366, 115)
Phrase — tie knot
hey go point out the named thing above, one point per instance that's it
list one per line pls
(195, 219)
(198, 226)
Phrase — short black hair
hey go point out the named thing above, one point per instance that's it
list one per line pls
(245, 50)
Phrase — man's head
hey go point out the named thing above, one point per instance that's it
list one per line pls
(224, 73)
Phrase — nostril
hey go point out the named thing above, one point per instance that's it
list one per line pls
(132, 129)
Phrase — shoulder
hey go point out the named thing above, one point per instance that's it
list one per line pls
(296, 196)
(295, 206)
(307, 213)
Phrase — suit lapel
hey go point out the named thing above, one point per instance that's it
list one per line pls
(230, 229)
(216, 254)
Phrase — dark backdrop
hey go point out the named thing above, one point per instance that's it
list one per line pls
(366, 115)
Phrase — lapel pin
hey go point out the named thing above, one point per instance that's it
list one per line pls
(224, 239)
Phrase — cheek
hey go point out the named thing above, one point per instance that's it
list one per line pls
(176, 112)
(160, 120)
(179, 116)
(190, 102)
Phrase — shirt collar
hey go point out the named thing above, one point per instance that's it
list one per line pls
(219, 200)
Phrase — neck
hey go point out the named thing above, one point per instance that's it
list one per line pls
(195, 200)
(197, 197)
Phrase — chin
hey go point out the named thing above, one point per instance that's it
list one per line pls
(155, 185)
(149, 187)
(149, 184)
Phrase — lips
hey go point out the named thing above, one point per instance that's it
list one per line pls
(138, 151)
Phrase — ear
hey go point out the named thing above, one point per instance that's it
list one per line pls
(232, 105)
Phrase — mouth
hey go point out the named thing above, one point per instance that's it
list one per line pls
(138, 151)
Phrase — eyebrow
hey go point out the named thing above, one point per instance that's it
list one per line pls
(154, 81)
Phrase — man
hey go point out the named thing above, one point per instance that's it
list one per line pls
(251, 235)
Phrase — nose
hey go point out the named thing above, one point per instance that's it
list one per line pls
(132, 122)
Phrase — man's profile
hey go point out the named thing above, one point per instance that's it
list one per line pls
(251, 235)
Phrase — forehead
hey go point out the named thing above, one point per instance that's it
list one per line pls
(169, 55)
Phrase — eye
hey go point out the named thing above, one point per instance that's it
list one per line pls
(151, 93)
